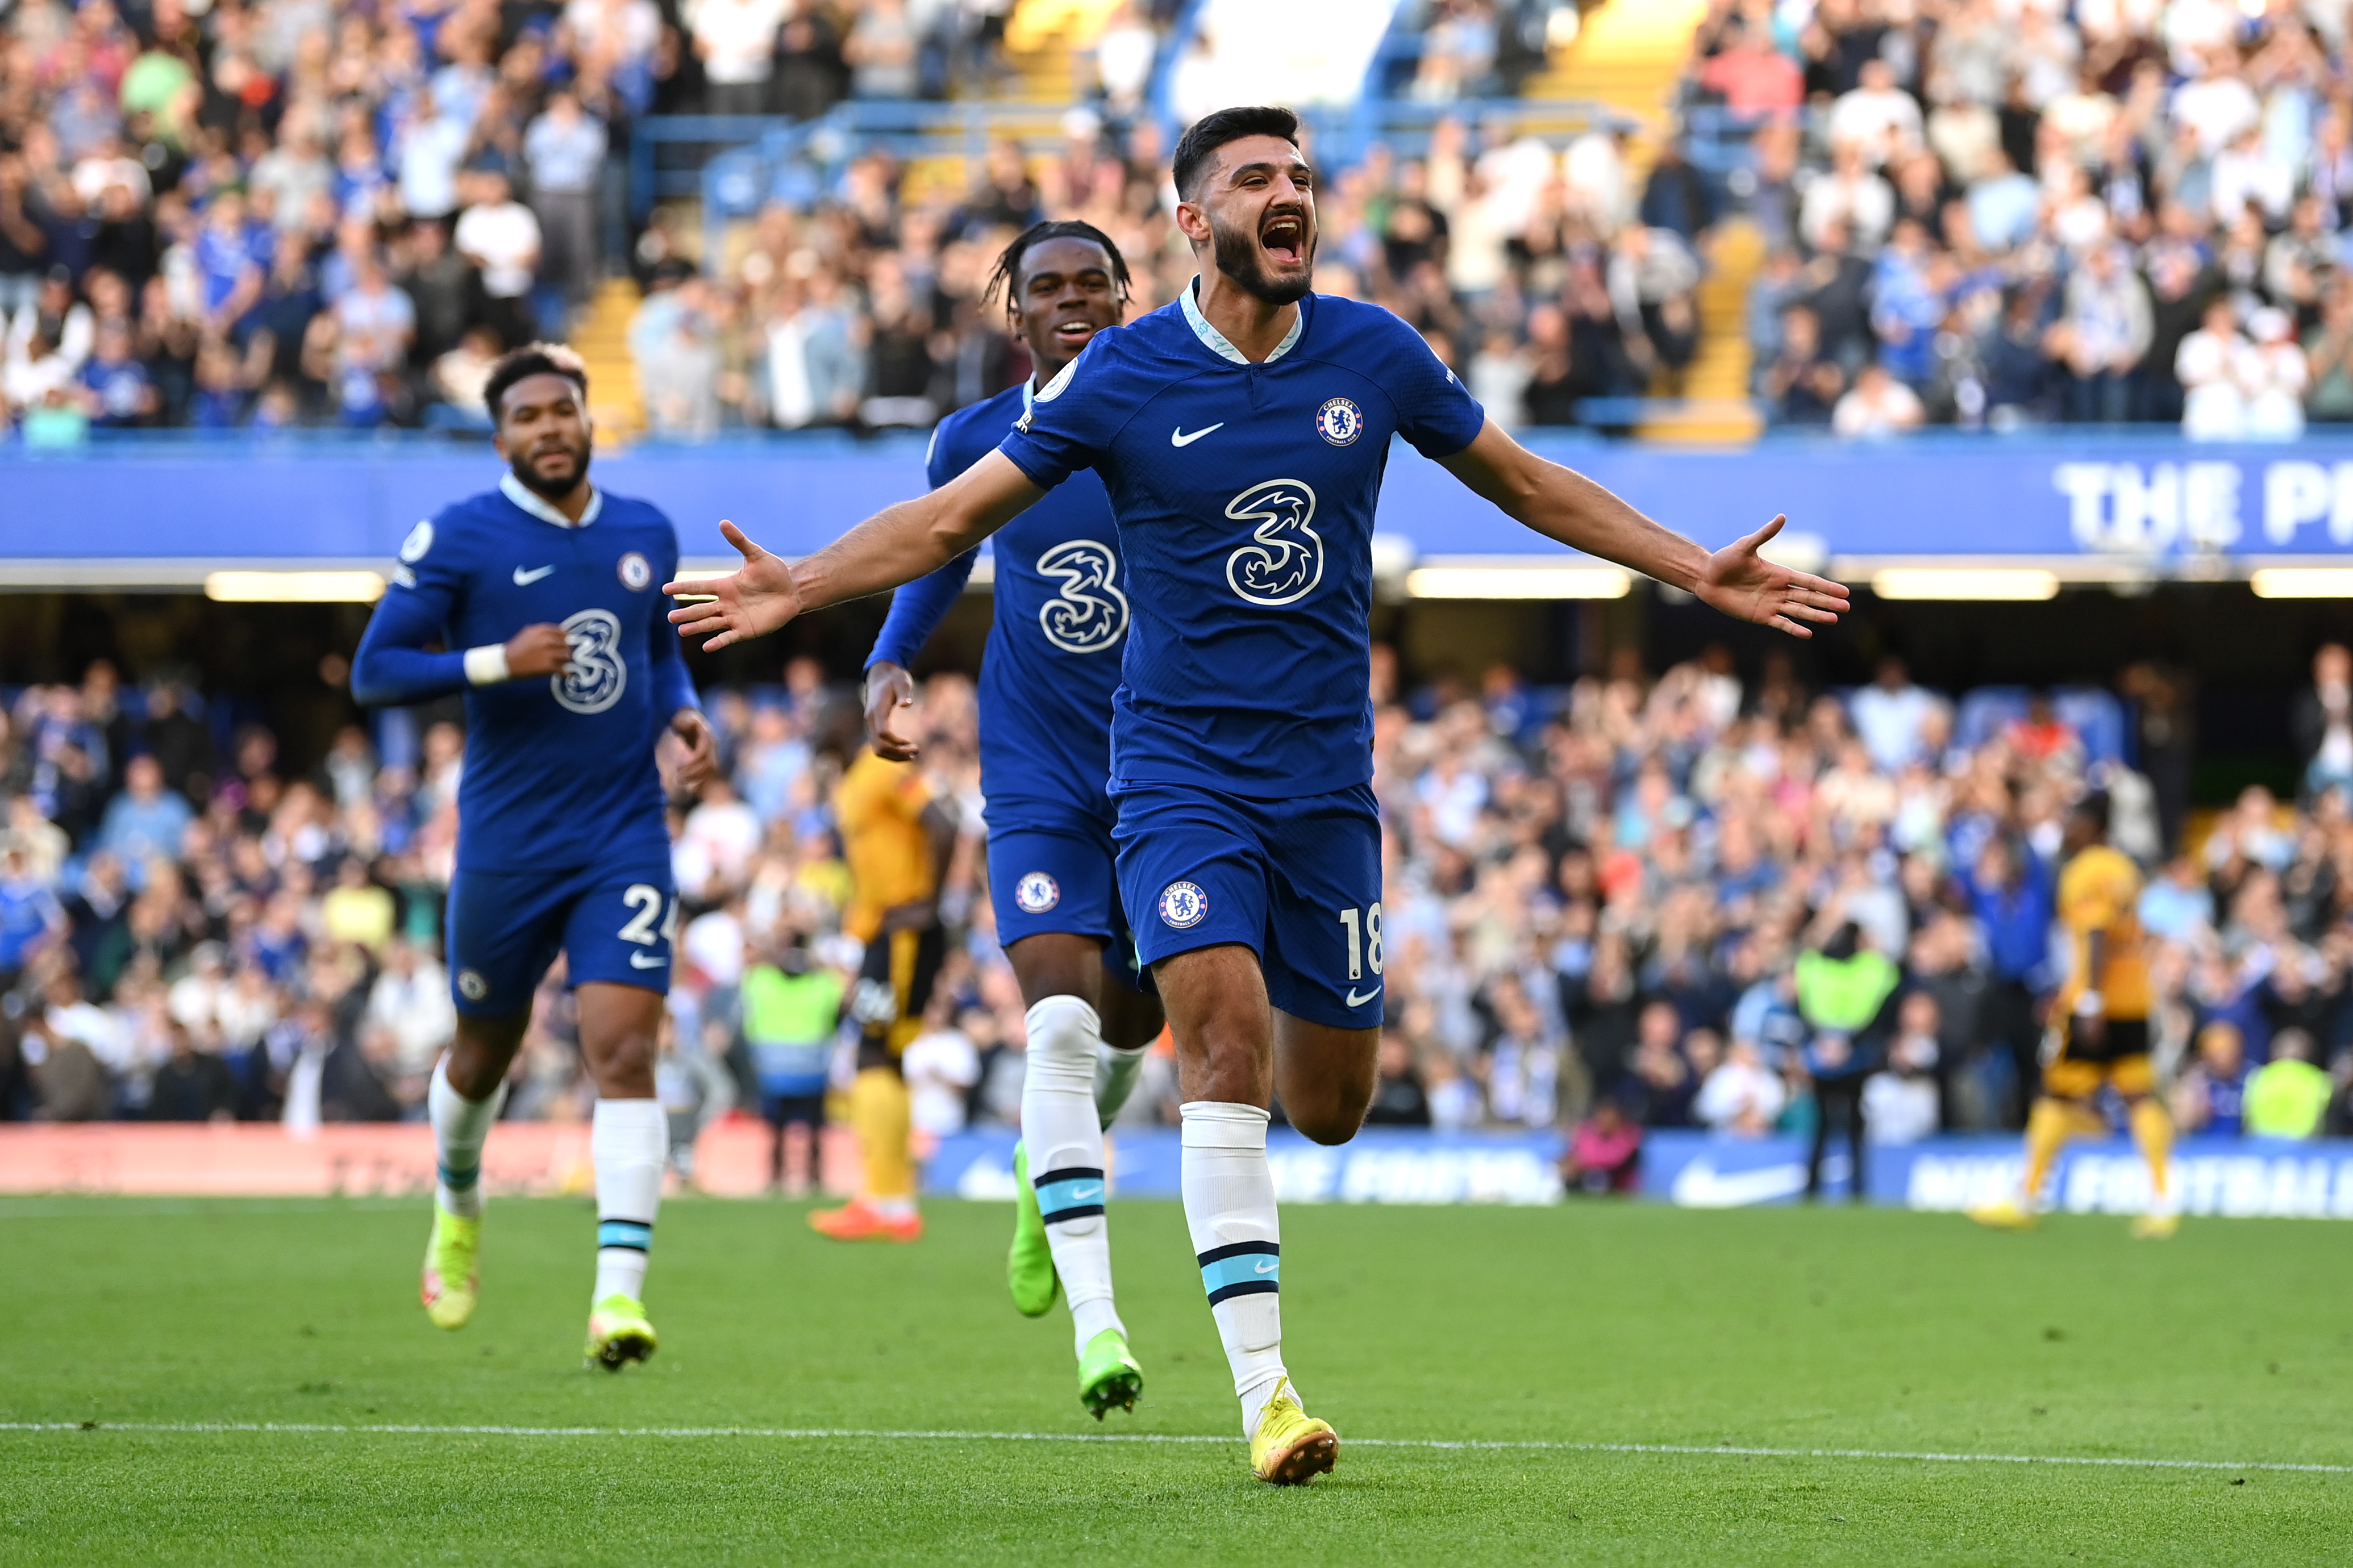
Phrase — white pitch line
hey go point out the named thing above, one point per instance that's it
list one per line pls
(833, 1434)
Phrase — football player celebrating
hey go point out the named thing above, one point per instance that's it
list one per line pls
(1046, 684)
(1242, 434)
(545, 592)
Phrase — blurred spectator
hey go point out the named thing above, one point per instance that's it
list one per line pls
(1741, 1097)
(1605, 1153)
(2211, 1096)
(881, 51)
(191, 1085)
(499, 236)
(2219, 372)
(1890, 716)
(1900, 1102)
(736, 42)
(1399, 1098)
(1878, 404)
(564, 149)
(1847, 997)
(2287, 1096)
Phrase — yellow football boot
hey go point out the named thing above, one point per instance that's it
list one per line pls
(618, 1333)
(452, 1278)
(1292, 1448)
(2006, 1214)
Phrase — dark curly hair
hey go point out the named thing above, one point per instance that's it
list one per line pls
(532, 359)
(1007, 270)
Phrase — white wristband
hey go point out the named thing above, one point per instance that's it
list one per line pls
(486, 665)
(2090, 1005)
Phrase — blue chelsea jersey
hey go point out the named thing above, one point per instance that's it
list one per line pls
(1060, 624)
(1245, 496)
(559, 769)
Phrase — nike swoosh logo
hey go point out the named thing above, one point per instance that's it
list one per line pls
(1356, 1001)
(1087, 1194)
(526, 579)
(1268, 1267)
(646, 960)
(1177, 437)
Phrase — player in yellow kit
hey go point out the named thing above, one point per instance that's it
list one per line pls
(897, 838)
(2099, 1027)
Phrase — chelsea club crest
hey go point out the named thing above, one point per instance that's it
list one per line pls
(636, 572)
(1037, 893)
(1339, 421)
(1182, 904)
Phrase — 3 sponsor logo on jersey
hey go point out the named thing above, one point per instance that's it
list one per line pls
(1088, 613)
(1037, 893)
(1284, 559)
(471, 986)
(419, 541)
(597, 675)
(637, 574)
(1339, 422)
(1182, 905)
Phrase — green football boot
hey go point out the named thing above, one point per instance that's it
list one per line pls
(618, 1333)
(1030, 1265)
(1108, 1374)
(451, 1279)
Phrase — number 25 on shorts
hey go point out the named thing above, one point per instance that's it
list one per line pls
(1364, 927)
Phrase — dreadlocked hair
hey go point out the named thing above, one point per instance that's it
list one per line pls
(1009, 265)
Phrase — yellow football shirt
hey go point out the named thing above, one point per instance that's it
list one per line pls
(2099, 891)
(879, 807)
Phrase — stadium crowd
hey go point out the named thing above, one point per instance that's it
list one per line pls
(1601, 903)
(1971, 211)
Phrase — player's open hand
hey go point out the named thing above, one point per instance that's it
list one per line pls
(700, 760)
(1742, 583)
(543, 649)
(890, 695)
(757, 599)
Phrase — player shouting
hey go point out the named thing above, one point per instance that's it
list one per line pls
(1242, 433)
(1046, 689)
(544, 591)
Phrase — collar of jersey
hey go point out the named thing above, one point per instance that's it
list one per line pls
(512, 488)
(1216, 341)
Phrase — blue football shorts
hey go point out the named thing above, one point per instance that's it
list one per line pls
(1052, 868)
(1297, 881)
(611, 923)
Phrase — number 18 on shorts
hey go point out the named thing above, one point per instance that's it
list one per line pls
(1296, 881)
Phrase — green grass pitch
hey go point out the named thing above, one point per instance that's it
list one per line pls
(1791, 1330)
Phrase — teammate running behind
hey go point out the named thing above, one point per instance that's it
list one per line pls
(1046, 684)
(545, 592)
(1242, 433)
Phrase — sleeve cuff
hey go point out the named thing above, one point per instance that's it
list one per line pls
(486, 665)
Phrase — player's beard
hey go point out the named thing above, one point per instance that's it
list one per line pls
(1239, 257)
(527, 475)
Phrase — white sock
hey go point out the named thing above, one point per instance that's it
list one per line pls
(459, 1127)
(1065, 1147)
(1229, 1208)
(1115, 1075)
(629, 1142)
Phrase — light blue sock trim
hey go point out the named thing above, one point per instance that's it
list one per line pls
(625, 1233)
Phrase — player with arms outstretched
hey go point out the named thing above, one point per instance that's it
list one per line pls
(1242, 434)
(546, 592)
(2099, 1029)
(1060, 623)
